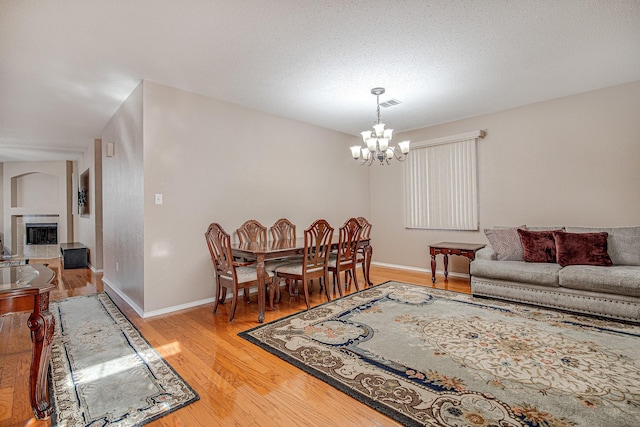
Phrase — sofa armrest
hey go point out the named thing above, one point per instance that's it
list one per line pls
(487, 253)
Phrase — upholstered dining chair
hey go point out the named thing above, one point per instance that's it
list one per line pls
(283, 229)
(314, 263)
(365, 234)
(345, 257)
(231, 274)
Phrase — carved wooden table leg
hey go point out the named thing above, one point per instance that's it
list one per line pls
(368, 254)
(261, 287)
(433, 265)
(41, 324)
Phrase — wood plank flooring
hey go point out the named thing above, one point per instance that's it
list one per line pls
(238, 383)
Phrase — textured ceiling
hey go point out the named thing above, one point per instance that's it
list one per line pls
(66, 66)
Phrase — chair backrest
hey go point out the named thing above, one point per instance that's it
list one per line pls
(219, 243)
(252, 232)
(348, 240)
(317, 245)
(283, 229)
(366, 227)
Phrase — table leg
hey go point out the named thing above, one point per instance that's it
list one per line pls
(446, 266)
(368, 254)
(41, 324)
(261, 287)
(433, 268)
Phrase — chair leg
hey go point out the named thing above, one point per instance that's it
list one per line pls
(272, 287)
(326, 288)
(337, 276)
(234, 302)
(354, 275)
(305, 285)
(220, 295)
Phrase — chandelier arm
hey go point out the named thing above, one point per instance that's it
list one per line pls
(400, 157)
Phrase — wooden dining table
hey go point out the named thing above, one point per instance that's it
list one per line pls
(26, 288)
(278, 249)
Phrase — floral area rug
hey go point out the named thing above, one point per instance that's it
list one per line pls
(104, 373)
(428, 357)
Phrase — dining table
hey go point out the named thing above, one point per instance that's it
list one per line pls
(27, 288)
(279, 249)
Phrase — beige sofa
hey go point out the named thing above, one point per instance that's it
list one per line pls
(606, 291)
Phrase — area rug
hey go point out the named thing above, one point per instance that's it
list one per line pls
(104, 373)
(428, 357)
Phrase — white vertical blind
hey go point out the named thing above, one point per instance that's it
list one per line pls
(441, 184)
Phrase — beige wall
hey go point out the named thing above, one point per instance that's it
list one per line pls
(2, 230)
(213, 162)
(568, 161)
(218, 162)
(88, 228)
(122, 201)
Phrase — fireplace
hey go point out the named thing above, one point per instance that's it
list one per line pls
(41, 233)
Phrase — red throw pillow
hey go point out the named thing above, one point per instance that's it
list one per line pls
(582, 249)
(538, 246)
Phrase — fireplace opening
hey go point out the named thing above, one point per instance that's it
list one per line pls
(42, 233)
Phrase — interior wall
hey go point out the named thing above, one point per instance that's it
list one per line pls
(218, 162)
(569, 161)
(122, 201)
(88, 228)
(2, 229)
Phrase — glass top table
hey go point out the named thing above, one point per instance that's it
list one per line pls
(26, 288)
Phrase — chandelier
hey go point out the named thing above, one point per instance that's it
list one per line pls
(377, 142)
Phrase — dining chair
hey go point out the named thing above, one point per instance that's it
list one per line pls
(231, 274)
(314, 263)
(251, 231)
(283, 229)
(365, 234)
(344, 259)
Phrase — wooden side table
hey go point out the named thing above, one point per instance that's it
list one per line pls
(451, 248)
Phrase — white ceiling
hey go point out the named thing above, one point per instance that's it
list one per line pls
(66, 66)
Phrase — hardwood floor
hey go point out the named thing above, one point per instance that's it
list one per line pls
(238, 383)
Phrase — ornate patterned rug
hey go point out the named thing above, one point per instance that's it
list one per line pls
(428, 357)
(104, 373)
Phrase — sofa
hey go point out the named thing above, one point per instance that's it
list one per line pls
(588, 270)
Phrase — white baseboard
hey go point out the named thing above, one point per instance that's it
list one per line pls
(419, 269)
(148, 314)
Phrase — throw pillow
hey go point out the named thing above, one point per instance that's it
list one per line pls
(582, 249)
(538, 246)
(506, 243)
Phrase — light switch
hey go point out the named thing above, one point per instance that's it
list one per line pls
(158, 199)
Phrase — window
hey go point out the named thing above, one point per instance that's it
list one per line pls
(441, 183)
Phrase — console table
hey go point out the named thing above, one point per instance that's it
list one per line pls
(26, 288)
(467, 250)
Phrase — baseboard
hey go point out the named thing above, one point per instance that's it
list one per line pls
(419, 269)
(126, 299)
(153, 313)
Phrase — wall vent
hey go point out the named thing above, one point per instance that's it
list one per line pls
(389, 103)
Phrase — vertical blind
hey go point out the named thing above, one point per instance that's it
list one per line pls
(441, 184)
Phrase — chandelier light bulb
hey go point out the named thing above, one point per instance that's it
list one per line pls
(377, 141)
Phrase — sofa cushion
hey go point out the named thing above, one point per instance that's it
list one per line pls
(619, 280)
(506, 243)
(538, 246)
(623, 243)
(581, 248)
(545, 274)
